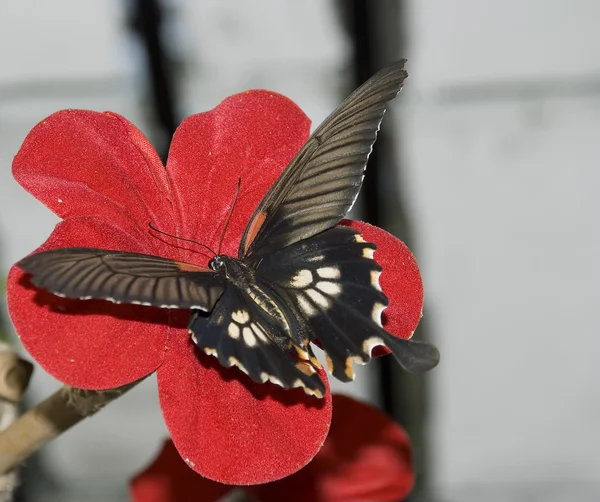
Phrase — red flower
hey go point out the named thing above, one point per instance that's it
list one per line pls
(366, 457)
(99, 174)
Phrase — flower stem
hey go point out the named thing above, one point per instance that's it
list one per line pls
(51, 417)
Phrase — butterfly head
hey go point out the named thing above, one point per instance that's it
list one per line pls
(218, 264)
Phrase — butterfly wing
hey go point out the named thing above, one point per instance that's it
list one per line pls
(321, 183)
(332, 282)
(121, 277)
(238, 332)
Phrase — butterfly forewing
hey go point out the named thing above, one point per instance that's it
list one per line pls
(322, 182)
(121, 277)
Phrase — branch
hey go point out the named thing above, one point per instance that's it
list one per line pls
(51, 417)
(14, 378)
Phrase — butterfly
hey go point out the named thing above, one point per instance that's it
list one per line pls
(299, 277)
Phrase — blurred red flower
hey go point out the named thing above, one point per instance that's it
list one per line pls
(366, 457)
(102, 177)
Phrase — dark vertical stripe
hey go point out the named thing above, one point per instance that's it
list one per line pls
(377, 36)
(147, 20)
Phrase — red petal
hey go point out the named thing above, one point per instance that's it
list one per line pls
(168, 479)
(234, 431)
(366, 457)
(252, 135)
(85, 343)
(80, 163)
(400, 279)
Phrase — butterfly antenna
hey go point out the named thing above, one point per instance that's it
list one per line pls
(237, 192)
(152, 227)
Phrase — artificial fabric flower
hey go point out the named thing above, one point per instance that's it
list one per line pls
(102, 177)
(366, 458)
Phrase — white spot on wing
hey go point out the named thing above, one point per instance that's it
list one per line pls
(210, 352)
(318, 298)
(302, 279)
(358, 238)
(330, 288)
(193, 335)
(315, 259)
(249, 338)
(378, 309)
(265, 377)
(375, 274)
(233, 330)
(368, 253)
(234, 362)
(329, 272)
(260, 334)
(145, 304)
(240, 316)
(370, 343)
(305, 306)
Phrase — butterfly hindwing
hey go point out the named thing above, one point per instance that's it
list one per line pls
(120, 277)
(238, 333)
(321, 183)
(333, 282)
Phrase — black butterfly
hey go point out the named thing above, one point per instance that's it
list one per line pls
(298, 277)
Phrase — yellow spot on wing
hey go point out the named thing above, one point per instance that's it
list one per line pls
(349, 371)
(313, 392)
(315, 362)
(329, 363)
(302, 354)
(305, 368)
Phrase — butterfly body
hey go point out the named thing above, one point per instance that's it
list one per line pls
(299, 276)
(243, 277)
